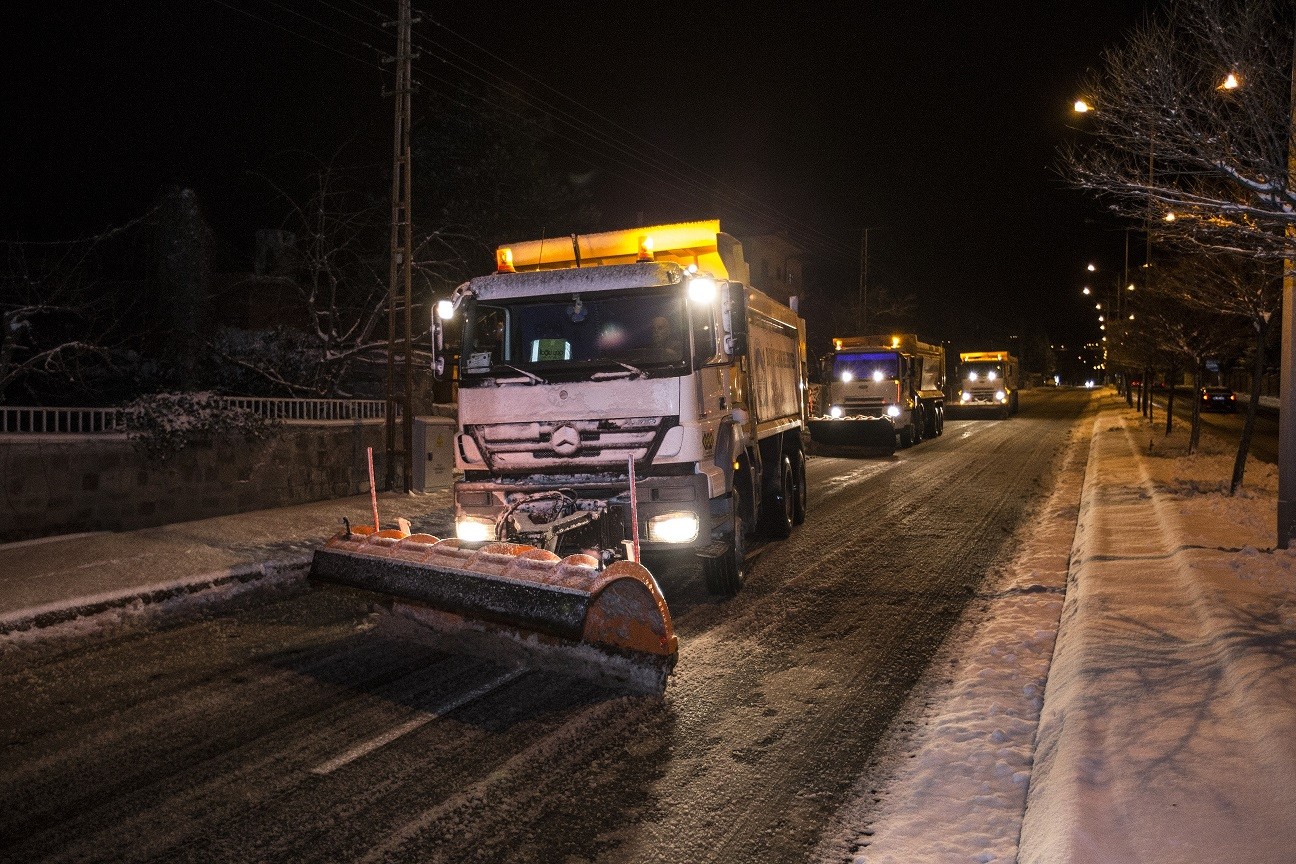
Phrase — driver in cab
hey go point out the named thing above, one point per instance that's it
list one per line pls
(665, 344)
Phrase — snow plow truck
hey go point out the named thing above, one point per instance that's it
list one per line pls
(988, 382)
(880, 389)
(625, 398)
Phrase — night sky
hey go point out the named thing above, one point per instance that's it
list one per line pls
(935, 125)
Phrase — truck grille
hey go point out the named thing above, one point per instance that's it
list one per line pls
(593, 445)
(864, 405)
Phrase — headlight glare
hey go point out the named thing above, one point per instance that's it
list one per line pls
(673, 528)
(471, 530)
(835, 411)
(893, 410)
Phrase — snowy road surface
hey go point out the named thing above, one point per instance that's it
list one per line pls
(290, 732)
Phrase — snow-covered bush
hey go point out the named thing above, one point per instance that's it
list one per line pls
(165, 423)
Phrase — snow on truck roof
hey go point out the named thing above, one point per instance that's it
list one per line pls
(977, 356)
(543, 283)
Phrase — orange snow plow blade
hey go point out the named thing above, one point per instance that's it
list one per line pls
(513, 603)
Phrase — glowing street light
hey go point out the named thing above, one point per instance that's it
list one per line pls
(1085, 291)
(1081, 107)
(1230, 83)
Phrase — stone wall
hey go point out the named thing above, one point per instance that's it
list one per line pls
(67, 484)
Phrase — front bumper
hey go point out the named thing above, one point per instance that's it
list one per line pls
(865, 431)
(606, 496)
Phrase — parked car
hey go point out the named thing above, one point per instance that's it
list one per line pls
(1218, 399)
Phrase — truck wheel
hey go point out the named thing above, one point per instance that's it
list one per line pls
(779, 508)
(907, 436)
(919, 423)
(940, 420)
(724, 576)
(933, 422)
(799, 498)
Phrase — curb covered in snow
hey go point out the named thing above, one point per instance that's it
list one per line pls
(161, 597)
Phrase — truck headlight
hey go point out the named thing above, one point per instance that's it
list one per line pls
(836, 412)
(893, 410)
(702, 290)
(965, 396)
(472, 530)
(1000, 395)
(673, 528)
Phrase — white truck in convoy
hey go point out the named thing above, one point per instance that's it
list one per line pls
(880, 389)
(628, 392)
(988, 382)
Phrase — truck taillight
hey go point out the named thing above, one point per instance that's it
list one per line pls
(645, 248)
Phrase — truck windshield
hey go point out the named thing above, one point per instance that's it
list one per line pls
(644, 333)
(866, 366)
(981, 371)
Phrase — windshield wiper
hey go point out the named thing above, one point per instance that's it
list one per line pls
(633, 370)
(534, 379)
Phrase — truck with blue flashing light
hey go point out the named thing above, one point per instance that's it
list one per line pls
(880, 392)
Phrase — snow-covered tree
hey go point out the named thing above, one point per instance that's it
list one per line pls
(334, 335)
(56, 326)
(1197, 297)
(1189, 127)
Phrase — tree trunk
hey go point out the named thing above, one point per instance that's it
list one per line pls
(1147, 385)
(1194, 434)
(1170, 394)
(1244, 444)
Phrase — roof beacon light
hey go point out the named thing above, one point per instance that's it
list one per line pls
(646, 248)
(504, 260)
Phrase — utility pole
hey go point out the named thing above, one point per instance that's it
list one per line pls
(1287, 368)
(401, 273)
(862, 317)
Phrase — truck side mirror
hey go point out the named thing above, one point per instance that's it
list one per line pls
(438, 347)
(735, 319)
(463, 309)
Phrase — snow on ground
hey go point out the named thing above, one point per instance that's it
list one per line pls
(1167, 731)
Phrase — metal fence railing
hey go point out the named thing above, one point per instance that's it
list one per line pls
(73, 421)
(311, 409)
(69, 421)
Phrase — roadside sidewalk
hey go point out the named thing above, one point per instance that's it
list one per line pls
(1168, 729)
(87, 577)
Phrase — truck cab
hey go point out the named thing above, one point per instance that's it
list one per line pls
(628, 391)
(878, 389)
(988, 382)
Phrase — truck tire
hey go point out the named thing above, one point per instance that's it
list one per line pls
(799, 477)
(907, 436)
(779, 508)
(724, 576)
(919, 418)
(933, 426)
